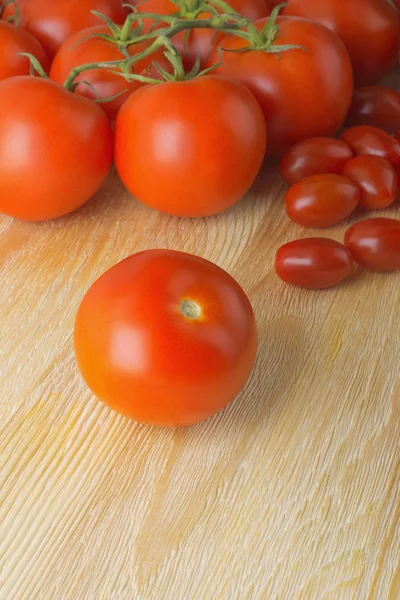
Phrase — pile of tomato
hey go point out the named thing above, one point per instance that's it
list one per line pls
(190, 99)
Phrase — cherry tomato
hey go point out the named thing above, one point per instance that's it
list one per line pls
(368, 28)
(191, 148)
(14, 40)
(304, 92)
(365, 139)
(321, 200)
(53, 21)
(314, 156)
(166, 338)
(376, 106)
(80, 49)
(375, 244)
(376, 178)
(313, 263)
(55, 149)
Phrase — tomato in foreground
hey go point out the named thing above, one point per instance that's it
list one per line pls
(368, 28)
(166, 338)
(376, 178)
(364, 139)
(55, 149)
(304, 92)
(14, 40)
(53, 21)
(191, 148)
(315, 156)
(377, 106)
(321, 200)
(375, 244)
(313, 263)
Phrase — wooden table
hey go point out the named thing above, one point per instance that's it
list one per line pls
(292, 492)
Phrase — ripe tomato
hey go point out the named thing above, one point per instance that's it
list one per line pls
(315, 156)
(303, 92)
(313, 263)
(375, 244)
(321, 200)
(79, 49)
(166, 338)
(14, 40)
(376, 106)
(365, 139)
(53, 21)
(49, 165)
(368, 28)
(191, 148)
(376, 178)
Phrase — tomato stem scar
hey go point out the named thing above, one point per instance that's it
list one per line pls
(190, 309)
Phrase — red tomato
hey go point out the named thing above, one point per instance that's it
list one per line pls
(375, 244)
(53, 21)
(14, 40)
(321, 200)
(166, 338)
(315, 156)
(376, 178)
(304, 92)
(365, 139)
(55, 149)
(376, 106)
(191, 148)
(313, 263)
(368, 28)
(78, 51)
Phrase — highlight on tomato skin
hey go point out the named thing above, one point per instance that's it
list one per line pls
(166, 338)
(365, 139)
(313, 263)
(375, 244)
(376, 178)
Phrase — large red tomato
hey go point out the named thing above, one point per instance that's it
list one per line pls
(191, 148)
(368, 28)
(55, 149)
(166, 338)
(84, 47)
(304, 92)
(53, 21)
(14, 40)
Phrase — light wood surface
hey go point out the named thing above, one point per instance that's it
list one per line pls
(293, 492)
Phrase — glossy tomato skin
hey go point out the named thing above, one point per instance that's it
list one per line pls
(51, 165)
(14, 40)
(368, 28)
(305, 92)
(84, 47)
(315, 156)
(53, 21)
(376, 178)
(144, 358)
(377, 106)
(375, 244)
(313, 263)
(321, 200)
(364, 139)
(190, 149)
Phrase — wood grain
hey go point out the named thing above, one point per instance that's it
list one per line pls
(293, 492)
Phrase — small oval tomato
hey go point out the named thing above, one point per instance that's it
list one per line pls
(315, 156)
(53, 21)
(313, 263)
(375, 244)
(376, 178)
(377, 106)
(83, 48)
(368, 28)
(304, 92)
(191, 148)
(166, 338)
(14, 40)
(365, 139)
(55, 149)
(321, 200)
